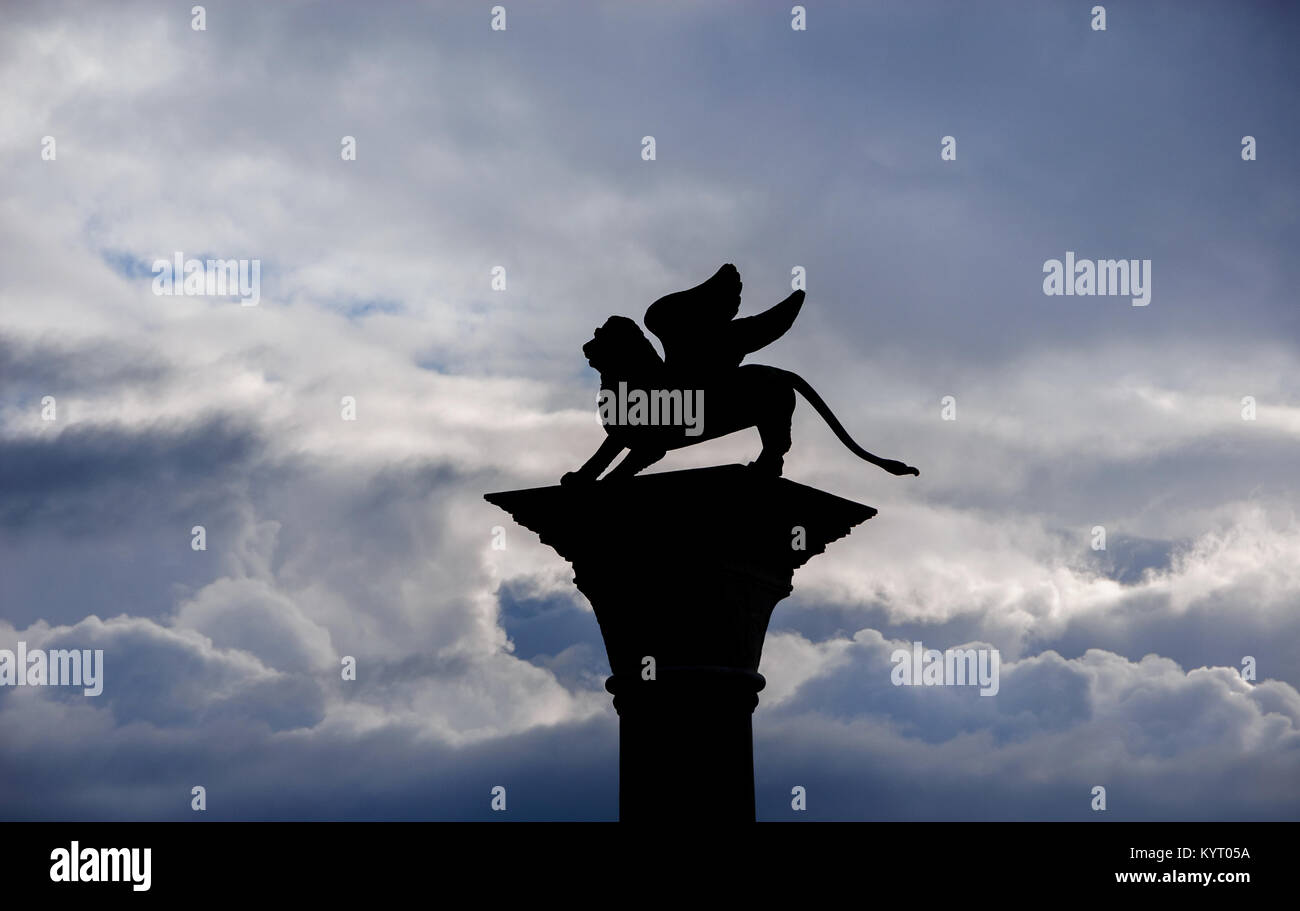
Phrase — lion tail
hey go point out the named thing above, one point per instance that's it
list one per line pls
(809, 393)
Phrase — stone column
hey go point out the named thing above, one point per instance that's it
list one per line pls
(683, 569)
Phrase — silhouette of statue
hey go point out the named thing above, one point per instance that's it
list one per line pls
(704, 345)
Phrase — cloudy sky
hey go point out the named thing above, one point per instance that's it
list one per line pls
(522, 148)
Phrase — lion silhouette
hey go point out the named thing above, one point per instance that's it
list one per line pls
(704, 345)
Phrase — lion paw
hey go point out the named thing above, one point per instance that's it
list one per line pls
(771, 468)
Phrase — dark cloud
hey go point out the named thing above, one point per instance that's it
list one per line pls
(31, 370)
(93, 477)
(550, 773)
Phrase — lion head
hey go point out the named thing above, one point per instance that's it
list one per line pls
(620, 347)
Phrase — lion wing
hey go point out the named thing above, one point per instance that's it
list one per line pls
(691, 324)
(698, 329)
(754, 332)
